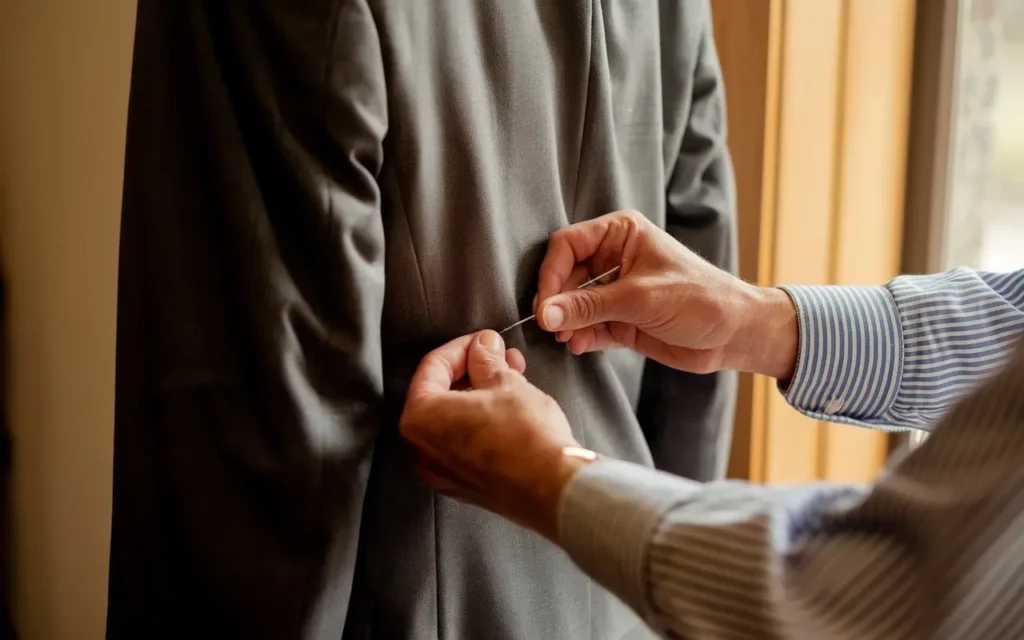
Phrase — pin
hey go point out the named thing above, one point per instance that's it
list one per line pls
(588, 283)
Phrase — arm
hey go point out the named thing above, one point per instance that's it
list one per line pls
(700, 209)
(885, 357)
(931, 550)
(902, 354)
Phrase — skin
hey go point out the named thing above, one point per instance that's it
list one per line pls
(486, 436)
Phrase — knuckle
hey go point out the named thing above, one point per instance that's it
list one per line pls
(558, 237)
(488, 359)
(550, 404)
(435, 359)
(587, 305)
(699, 363)
(647, 297)
(633, 219)
(508, 378)
(407, 426)
(705, 362)
(597, 302)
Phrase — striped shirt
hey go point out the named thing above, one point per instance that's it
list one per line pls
(935, 548)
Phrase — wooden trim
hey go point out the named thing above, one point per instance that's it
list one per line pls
(762, 388)
(809, 86)
(818, 135)
(835, 240)
(933, 102)
(870, 187)
(931, 135)
(745, 32)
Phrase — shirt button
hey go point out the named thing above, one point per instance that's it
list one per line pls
(834, 406)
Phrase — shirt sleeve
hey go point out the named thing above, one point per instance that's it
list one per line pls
(931, 550)
(899, 356)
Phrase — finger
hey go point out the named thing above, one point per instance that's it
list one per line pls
(693, 360)
(437, 423)
(601, 242)
(443, 484)
(487, 359)
(617, 335)
(581, 308)
(452, 490)
(586, 340)
(440, 369)
(567, 248)
(597, 338)
(427, 465)
(515, 360)
(580, 274)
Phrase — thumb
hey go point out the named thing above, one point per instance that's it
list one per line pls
(486, 359)
(579, 308)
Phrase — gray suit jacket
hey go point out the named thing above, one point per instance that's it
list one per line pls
(316, 193)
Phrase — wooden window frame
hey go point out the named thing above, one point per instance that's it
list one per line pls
(932, 136)
(819, 95)
(933, 103)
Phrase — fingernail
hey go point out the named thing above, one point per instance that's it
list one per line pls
(554, 315)
(491, 340)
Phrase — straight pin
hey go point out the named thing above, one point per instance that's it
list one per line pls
(588, 283)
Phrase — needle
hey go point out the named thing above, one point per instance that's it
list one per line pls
(588, 283)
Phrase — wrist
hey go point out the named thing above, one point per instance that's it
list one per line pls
(543, 493)
(769, 339)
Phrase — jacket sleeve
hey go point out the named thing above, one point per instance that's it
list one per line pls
(250, 293)
(687, 418)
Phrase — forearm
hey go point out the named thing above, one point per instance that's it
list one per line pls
(693, 559)
(929, 550)
(896, 356)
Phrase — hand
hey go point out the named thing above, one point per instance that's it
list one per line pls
(499, 444)
(667, 303)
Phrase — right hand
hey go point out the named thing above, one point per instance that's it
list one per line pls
(668, 303)
(501, 443)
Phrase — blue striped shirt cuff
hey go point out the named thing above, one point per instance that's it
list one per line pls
(850, 360)
(897, 357)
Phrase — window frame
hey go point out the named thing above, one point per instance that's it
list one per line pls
(932, 134)
(929, 154)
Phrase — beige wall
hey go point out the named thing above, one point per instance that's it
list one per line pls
(64, 68)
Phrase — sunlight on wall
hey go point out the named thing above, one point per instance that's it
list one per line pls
(64, 69)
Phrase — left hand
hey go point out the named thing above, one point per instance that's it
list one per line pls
(499, 444)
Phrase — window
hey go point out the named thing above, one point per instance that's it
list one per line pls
(965, 180)
(984, 225)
